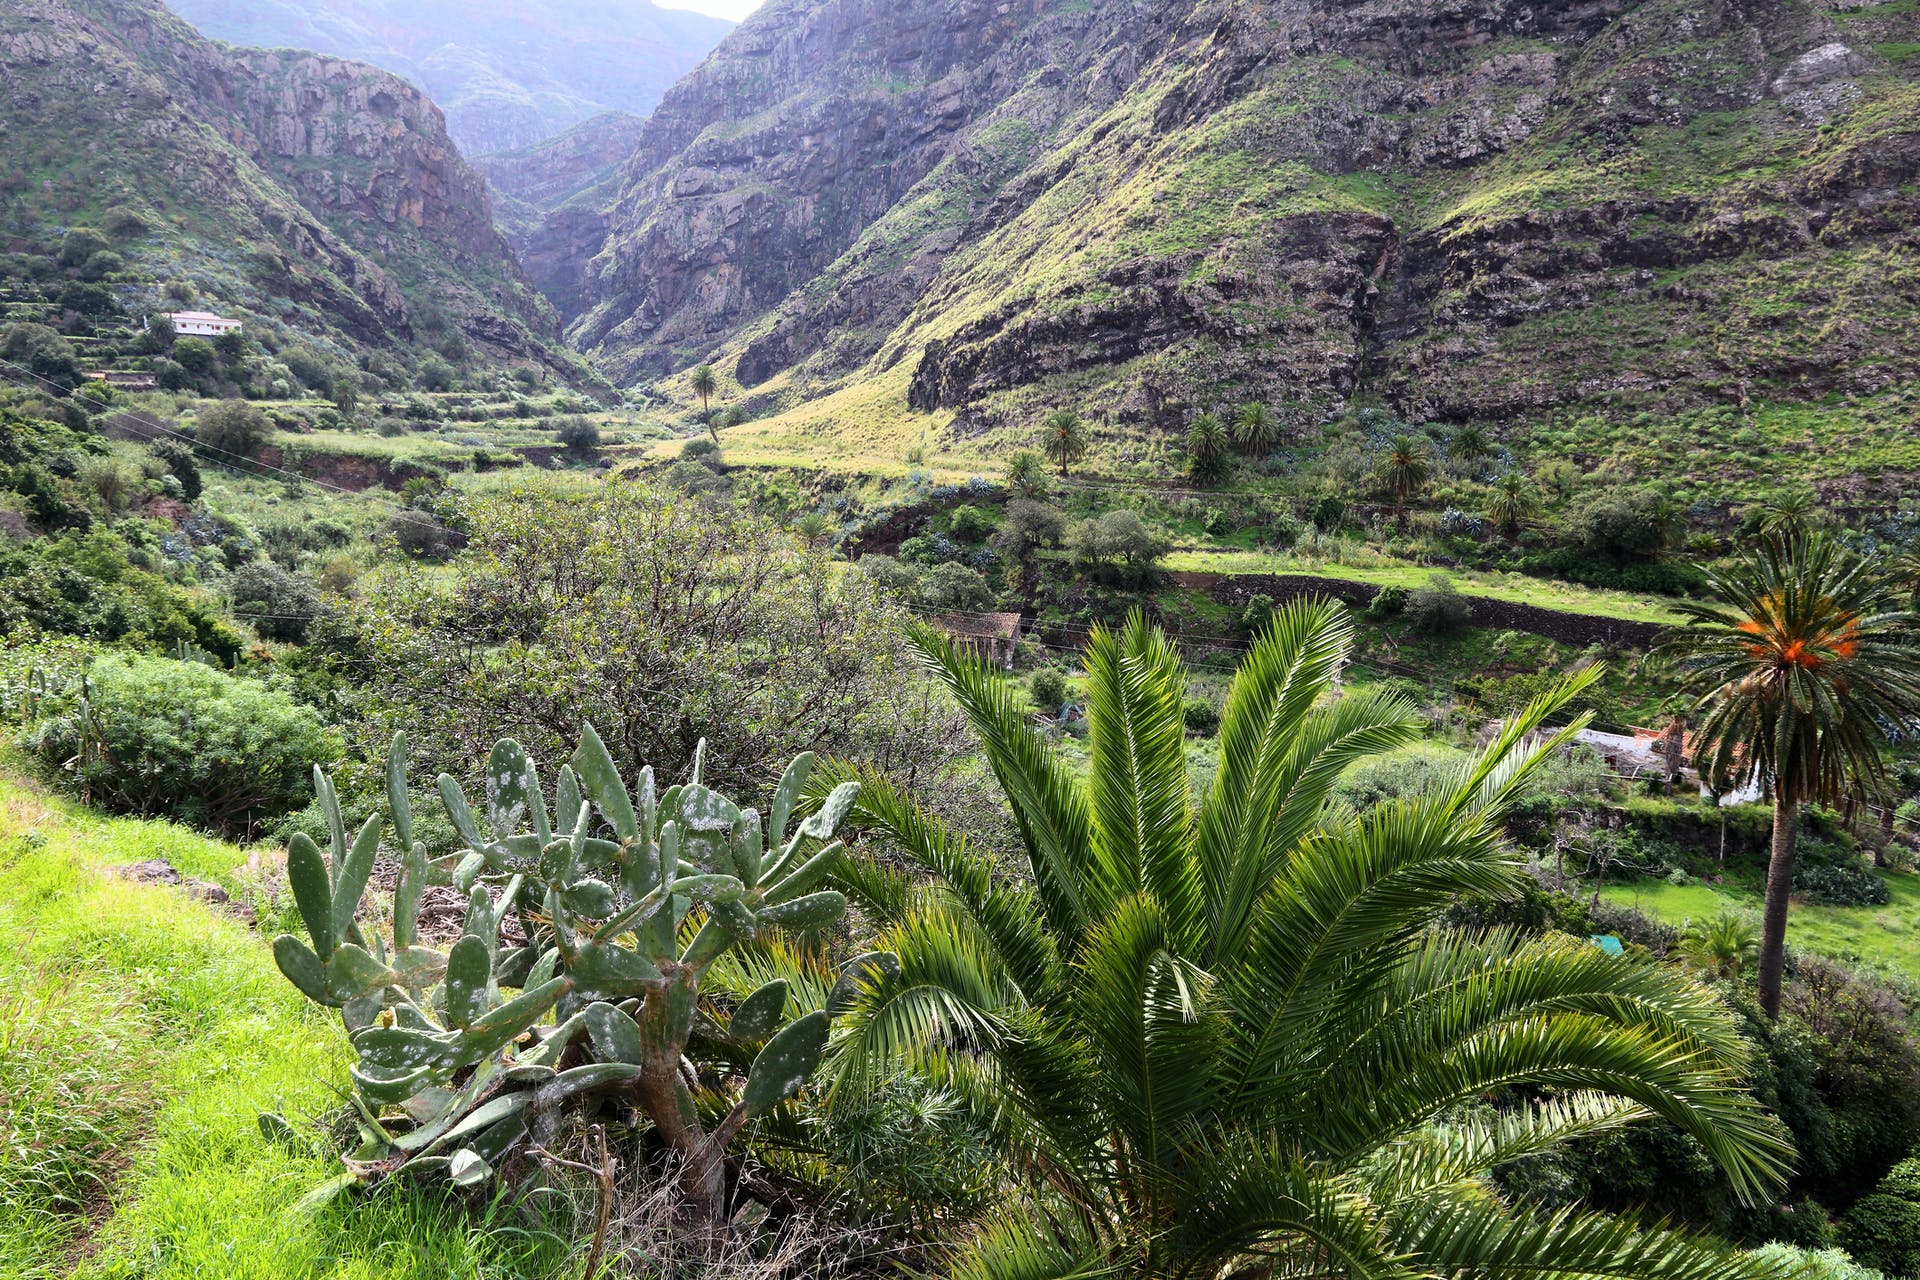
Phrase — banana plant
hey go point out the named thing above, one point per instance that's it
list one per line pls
(623, 899)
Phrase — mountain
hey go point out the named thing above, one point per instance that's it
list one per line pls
(554, 199)
(308, 193)
(506, 74)
(1500, 211)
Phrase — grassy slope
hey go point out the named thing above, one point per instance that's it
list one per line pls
(140, 1036)
(1880, 937)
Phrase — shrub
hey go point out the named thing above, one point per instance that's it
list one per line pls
(230, 426)
(1841, 886)
(579, 435)
(1199, 716)
(1388, 602)
(80, 244)
(890, 575)
(1883, 1231)
(1813, 1264)
(279, 604)
(703, 450)
(421, 535)
(1258, 613)
(1327, 512)
(1437, 609)
(195, 355)
(177, 457)
(954, 586)
(159, 737)
(1626, 524)
(968, 524)
(1048, 689)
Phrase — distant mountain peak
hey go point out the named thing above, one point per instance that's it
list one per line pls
(507, 75)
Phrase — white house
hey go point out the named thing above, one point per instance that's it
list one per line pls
(201, 324)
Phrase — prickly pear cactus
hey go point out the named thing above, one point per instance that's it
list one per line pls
(624, 899)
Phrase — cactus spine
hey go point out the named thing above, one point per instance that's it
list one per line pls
(461, 1053)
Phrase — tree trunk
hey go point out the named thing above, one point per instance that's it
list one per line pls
(1773, 924)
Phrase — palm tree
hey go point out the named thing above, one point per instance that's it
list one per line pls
(813, 529)
(1790, 515)
(1723, 947)
(1797, 671)
(1471, 443)
(1255, 428)
(1404, 467)
(1512, 504)
(704, 383)
(1235, 1039)
(1026, 474)
(1207, 448)
(1066, 440)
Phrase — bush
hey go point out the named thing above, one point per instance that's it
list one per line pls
(1116, 547)
(1327, 512)
(1048, 689)
(421, 535)
(1841, 886)
(177, 457)
(1388, 602)
(1200, 716)
(188, 741)
(1626, 524)
(891, 575)
(1883, 1231)
(230, 426)
(1437, 609)
(1258, 613)
(954, 586)
(279, 604)
(968, 524)
(703, 450)
(579, 435)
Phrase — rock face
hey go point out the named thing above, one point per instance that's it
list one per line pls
(507, 74)
(317, 190)
(1493, 210)
(553, 200)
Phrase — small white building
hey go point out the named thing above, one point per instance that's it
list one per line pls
(201, 324)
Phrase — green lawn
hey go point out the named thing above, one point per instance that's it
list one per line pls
(141, 1035)
(1885, 938)
(1513, 587)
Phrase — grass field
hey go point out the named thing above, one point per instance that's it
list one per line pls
(1881, 938)
(1513, 587)
(141, 1035)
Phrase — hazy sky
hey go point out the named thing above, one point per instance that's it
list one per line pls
(734, 9)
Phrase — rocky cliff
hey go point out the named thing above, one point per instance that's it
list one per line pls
(507, 75)
(320, 192)
(1493, 210)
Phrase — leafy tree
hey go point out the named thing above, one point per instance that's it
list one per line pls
(1065, 438)
(280, 604)
(1027, 527)
(658, 619)
(80, 244)
(1117, 546)
(954, 586)
(43, 351)
(579, 435)
(1512, 504)
(1403, 468)
(703, 382)
(1796, 669)
(1027, 475)
(195, 355)
(230, 427)
(1437, 609)
(435, 374)
(1255, 428)
(178, 458)
(1207, 449)
(1625, 524)
(1238, 1035)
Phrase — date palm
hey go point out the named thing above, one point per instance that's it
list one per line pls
(1234, 1039)
(1512, 503)
(1797, 671)
(1404, 466)
(1471, 444)
(1066, 439)
(1026, 474)
(1207, 448)
(703, 382)
(1255, 428)
(1723, 947)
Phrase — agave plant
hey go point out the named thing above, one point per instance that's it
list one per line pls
(1233, 1039)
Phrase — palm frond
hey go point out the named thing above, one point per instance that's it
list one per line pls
(1137, 775)
(1048, 808)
